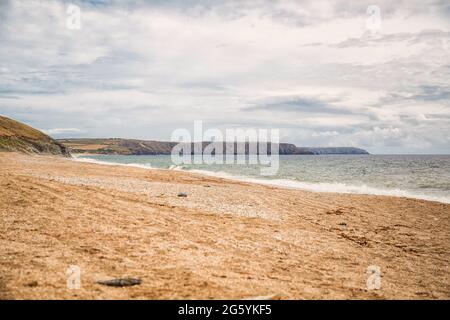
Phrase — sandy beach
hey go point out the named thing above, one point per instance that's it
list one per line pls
(225, 240)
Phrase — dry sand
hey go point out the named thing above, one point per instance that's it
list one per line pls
(225, 240)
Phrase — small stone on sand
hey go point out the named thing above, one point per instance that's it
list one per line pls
(32, 284)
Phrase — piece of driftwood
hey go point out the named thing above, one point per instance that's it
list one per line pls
(124, 282)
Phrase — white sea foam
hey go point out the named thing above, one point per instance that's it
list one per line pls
(176, 168)
(135, 165)
(328, 187)
(292, 184)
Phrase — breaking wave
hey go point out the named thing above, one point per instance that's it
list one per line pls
(328, 187)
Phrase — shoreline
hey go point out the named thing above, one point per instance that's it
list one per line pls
(225, 240)
(287, 183)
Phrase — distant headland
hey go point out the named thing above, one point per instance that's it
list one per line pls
(145, 147)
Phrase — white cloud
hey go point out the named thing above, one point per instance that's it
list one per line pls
(58, 131)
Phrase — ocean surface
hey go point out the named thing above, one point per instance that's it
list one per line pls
(415, 176)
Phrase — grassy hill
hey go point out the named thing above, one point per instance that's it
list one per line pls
(142, 147)
(118, 146)
(18, 137)
(145, 147)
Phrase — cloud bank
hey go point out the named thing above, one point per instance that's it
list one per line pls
(140, 69)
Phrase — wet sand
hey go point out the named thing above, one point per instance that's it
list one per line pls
(225, 240)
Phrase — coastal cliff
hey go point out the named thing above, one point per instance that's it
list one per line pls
(145, 147)
(18, 137)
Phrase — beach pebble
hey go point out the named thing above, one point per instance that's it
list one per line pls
(182, 194)
(338, 211)
(125, 282)
(32, 284)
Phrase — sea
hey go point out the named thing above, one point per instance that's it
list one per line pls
(415, 176)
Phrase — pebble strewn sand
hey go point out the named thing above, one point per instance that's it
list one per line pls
(226, 239)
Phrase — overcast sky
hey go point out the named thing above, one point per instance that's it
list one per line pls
(318, 70)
